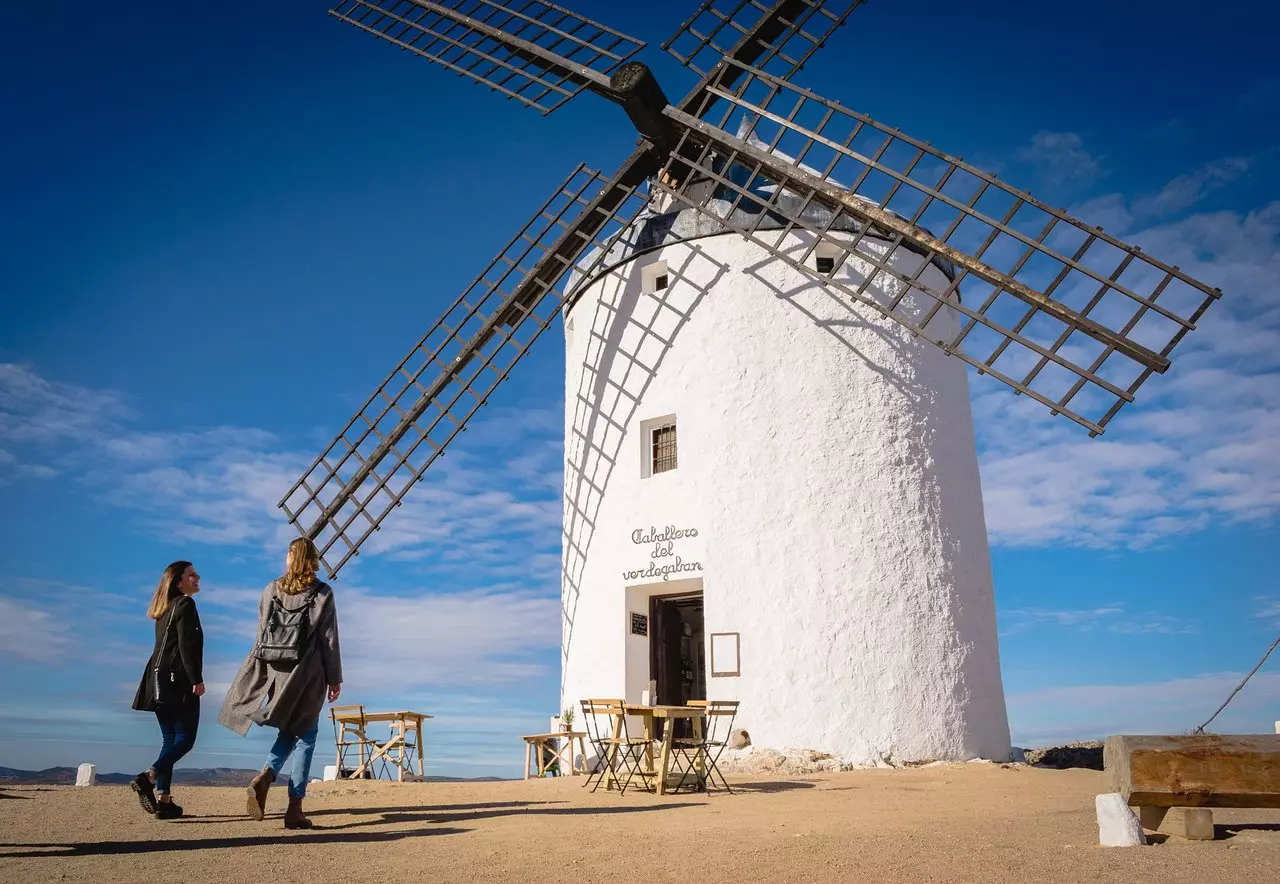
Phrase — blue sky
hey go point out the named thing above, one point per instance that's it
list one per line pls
(221, 229)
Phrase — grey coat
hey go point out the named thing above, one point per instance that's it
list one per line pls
(290, 700)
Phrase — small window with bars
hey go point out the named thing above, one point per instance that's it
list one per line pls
(663, 445)
(657, 445)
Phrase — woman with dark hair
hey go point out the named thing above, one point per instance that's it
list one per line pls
(172, 685)
(293, 668)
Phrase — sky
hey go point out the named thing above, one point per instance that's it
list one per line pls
(222, 227)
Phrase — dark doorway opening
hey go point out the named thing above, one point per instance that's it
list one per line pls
(677, 650)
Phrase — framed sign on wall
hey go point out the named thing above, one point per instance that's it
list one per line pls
(639, 624)
(725, 657)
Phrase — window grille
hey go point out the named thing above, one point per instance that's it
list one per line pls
(664, 449)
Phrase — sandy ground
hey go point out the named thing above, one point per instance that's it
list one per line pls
(946, 823)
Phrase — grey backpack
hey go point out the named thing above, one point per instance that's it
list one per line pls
(285, 634)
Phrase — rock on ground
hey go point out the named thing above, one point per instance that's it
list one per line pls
(1080, 754)
(786, 761)
(1117, 825)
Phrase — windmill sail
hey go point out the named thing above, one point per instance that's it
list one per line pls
(427, 400)
(1056, 309)
(505, 47)
(778, 38)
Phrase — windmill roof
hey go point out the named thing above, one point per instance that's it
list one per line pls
(652, 230)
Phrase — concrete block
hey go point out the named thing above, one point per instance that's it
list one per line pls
(1152, 817)
(1193, 823)
(1117, 826)
(86, 775)
(1018, 755)
(330, 772)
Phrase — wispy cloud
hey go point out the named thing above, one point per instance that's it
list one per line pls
(486, 636)
(1196, 448)
(1269, 609)
(1112, 618)
(491, 507)
(1185, 191)
(1062, 155)
(1053, 715)
(30, 633)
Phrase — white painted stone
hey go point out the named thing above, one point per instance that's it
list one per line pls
(1278, 727)
(86, 775)
(827, 464)
(1117, 824)
(1018, 755)
(330, 772)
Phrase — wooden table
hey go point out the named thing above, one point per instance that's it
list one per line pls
(559, 743)
(670, 714)
(393, 749)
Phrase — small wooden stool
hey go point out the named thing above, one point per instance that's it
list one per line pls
(553, 748)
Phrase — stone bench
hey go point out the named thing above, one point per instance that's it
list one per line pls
(1175, 781)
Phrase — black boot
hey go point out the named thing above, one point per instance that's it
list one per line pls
(167, 810)
(145, 790)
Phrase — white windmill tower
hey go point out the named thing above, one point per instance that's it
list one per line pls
(771, 487)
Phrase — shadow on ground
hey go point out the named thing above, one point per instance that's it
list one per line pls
(115, 848)
(777, 786)
(333, 834)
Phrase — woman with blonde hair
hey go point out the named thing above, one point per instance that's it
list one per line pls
(171, 685)
(293, 667)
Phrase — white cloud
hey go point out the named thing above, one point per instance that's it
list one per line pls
(1112, 618)
(1055, 715)
(1063, 155)
(34, 409)
(1197, 446)
(1269, 610)
(30, 633)
(492, 505)
(485, 636)
(1185, 191)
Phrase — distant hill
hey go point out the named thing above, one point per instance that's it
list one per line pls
(190, 776)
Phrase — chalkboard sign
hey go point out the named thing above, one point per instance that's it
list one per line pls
(639, 624)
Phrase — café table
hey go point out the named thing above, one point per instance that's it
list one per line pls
(397, 751)
(669, 714)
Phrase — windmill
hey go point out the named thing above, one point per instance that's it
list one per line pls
(779, 278)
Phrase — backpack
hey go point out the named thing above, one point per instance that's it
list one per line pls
(285, 634)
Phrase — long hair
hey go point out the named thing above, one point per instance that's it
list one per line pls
(300, 567)
(167, 589)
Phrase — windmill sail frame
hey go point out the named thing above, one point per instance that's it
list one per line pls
(349, 490)
(1050, 316)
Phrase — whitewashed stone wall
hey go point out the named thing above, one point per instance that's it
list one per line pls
(827, 464)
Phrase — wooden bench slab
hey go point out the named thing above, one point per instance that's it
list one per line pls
(1202, 770)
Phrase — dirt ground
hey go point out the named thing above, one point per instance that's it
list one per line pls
(946, 823)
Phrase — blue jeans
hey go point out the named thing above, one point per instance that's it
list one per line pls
(302, 748)
(178, 725)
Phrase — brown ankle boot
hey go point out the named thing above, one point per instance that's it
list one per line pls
(256, 806)
(293, 818)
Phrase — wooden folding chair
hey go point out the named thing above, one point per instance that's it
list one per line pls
(621, 756)
(401, 754)
(349, 734)
(700, 757)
